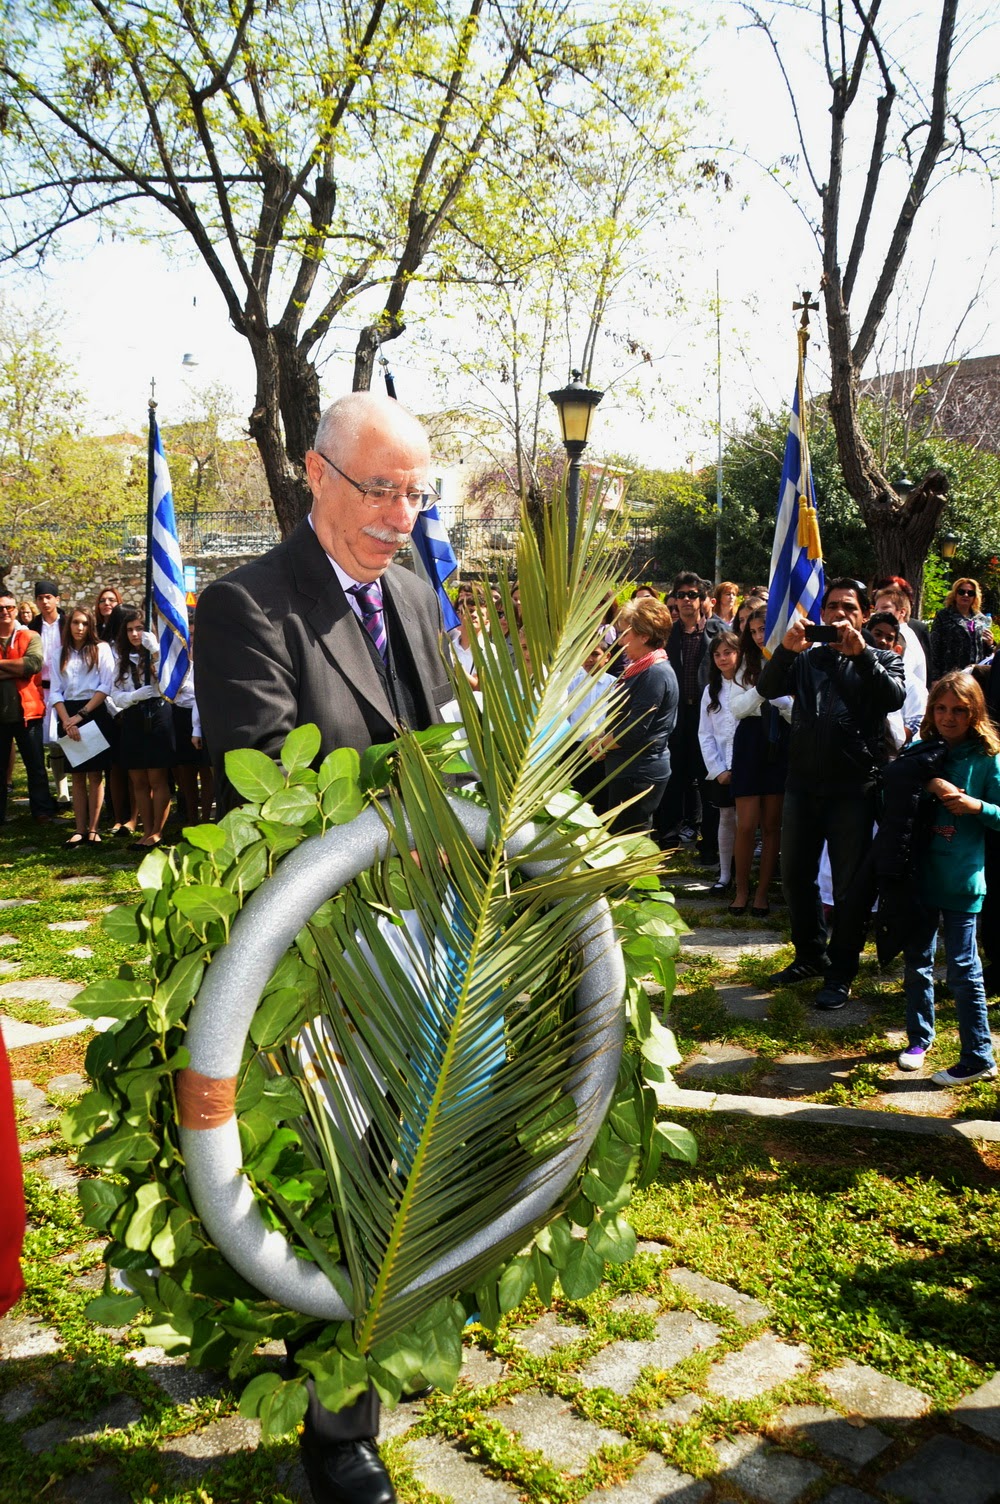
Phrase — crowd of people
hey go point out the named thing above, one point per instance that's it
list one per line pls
(756, 759)
(79, 690)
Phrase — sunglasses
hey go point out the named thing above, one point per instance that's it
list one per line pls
(687, 595)
(965, 592)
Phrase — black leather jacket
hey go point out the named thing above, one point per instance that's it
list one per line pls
(838, 715)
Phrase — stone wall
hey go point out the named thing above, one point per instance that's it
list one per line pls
(128, 575)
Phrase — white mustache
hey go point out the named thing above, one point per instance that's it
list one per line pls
(386, 534)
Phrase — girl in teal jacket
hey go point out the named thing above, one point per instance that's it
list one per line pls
(952, 880)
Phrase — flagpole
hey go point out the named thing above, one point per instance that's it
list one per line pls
(150, 479)
(796, 575)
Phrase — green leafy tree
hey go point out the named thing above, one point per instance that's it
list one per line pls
(684, 505)
(321, 160)
(56, 484)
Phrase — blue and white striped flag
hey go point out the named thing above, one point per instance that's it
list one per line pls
(796, 586)
(169, 596)
(435, 559)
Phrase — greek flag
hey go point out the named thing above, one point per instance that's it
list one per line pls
(796, 560)
(169, 598)
(435, 560)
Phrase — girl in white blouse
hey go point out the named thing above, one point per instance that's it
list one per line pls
(81, 681)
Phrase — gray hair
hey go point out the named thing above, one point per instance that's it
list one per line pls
(345, 422)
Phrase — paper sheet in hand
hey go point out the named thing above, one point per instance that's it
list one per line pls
(92, 741)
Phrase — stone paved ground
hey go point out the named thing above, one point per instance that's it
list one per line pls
(860, 1437)
(796, 1432)
(721, 1068)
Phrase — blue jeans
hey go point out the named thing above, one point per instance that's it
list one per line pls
(965, 978)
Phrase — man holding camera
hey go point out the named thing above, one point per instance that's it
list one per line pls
(842, 690)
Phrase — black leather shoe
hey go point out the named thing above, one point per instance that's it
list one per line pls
(347, 1472)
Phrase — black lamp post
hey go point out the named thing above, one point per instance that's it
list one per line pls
(948, 544)
(576, 404)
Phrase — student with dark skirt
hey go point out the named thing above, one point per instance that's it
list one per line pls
(147, 727)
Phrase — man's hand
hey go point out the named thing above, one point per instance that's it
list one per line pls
(795, 639)
(724, 778)
(850, 642)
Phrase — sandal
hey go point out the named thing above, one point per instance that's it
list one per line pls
(93, 838)
(76, 839)
(148, 842)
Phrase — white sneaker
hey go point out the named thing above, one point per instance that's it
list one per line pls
(957, 1076)
(912, 1058)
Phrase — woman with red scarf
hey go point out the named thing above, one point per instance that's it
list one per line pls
(11, 1194)
(636, 747)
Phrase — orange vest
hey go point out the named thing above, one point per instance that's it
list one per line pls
(30, 690)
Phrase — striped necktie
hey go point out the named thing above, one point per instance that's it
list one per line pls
(369, 598)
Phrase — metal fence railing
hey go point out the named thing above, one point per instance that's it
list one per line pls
(483, 545)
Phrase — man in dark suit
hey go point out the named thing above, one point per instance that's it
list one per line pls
(286, 639)
(300, 635)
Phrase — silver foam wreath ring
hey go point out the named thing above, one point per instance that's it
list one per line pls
(220, 1023)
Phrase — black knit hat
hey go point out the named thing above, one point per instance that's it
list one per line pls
(46, 587)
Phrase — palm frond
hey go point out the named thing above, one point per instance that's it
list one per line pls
(446, 1073)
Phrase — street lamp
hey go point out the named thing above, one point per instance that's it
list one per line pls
(948, 544)
(576, 404)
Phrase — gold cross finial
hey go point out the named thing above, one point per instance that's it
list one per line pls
(806, 308)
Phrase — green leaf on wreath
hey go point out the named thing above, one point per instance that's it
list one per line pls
(113, 1310)
(515, 1282)
(150, 1213)
(299, 748)
(202, 904)
(253, 774)
(176, 1238)
(208, 838)
(126, 1146)
(343, 764)
(110, 998)
(177, 991)
(85, 1118)
(280, 838)
(122, 924)
(249, 869)
(612, 1239)
(582, 1273)
(556, 1241)
(154, 870)
(291, 806)
(342, 800)
(678, 1143)
(660, 1049)
(278, 1015)
(99, 1201)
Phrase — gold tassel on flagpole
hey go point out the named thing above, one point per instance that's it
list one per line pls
(808, 529)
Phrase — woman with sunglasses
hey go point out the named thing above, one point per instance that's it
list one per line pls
(960, 634)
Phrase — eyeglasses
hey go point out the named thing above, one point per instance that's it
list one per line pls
(687, 595)
(965, 592)
(7, 608)
(382, 496)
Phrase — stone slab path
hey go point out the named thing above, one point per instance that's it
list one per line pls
(866, 1438)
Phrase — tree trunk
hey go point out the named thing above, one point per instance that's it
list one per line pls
(370, 341)
(288, 386)
(902, 535)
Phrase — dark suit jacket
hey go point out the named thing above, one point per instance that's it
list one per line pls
(277, 645)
